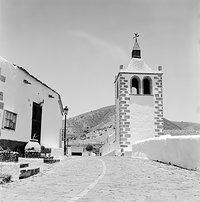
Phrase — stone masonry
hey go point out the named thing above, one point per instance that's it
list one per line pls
(158, 103)
(139, 101)
(124, 113)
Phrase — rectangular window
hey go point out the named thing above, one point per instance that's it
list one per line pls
(10, 119)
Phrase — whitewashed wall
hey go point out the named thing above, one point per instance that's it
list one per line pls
(111, 144)
(142, 115)
(137, 116)
(18, 97)
(183, 151)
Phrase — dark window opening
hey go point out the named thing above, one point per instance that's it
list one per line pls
(135, 86)
(147, 86)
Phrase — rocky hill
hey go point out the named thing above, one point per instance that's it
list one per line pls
(84, 124)
(103, 119)
(187, 125)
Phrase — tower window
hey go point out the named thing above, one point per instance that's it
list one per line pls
(135, 85)
(147, 86)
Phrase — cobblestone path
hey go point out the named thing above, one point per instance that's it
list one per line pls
(107, 179)
(140, 180)
(59, 182)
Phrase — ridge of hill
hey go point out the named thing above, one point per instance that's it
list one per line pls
(89, 123)
(187, 125)
(169, 125)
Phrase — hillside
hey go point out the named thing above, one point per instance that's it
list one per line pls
(169, 125)
(91, 123)
(187, 125)
(86, 123)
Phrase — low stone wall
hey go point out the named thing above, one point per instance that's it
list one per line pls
(183, 151)
(181, 132)
(33, 162)
(57, 153)
(110, 146)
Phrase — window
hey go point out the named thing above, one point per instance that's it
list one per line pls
(147, 86)
(10, 119)
(135, 85)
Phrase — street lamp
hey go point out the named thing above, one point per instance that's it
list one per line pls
(65, 113)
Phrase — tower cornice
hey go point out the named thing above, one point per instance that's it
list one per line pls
(138, 73)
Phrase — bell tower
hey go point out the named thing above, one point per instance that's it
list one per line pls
(138, 100)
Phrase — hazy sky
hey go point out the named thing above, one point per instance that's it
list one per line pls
(76, 47)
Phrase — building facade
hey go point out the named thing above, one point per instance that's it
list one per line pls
(139, 102)
(28, 108)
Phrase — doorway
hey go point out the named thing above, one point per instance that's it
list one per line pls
(36, 121)
(77, 154)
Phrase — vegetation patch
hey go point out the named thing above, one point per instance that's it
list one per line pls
(89, 148)
(8, 156)
(5, 178)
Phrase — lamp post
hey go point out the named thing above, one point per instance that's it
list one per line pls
(65, 113)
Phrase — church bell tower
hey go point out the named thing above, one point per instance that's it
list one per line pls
(139, 101)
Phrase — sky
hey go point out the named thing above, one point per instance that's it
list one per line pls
(77, 46)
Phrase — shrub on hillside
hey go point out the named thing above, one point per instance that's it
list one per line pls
(45, 150)
(5, 178)
(89, 148)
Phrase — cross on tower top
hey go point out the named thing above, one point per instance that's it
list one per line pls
(136, 48)
(136, 35)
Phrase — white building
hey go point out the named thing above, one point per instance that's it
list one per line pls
(139, 102)
(28, 108)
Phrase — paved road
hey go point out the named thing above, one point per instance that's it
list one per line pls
(107, 179)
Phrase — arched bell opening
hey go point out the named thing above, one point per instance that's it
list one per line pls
(147, 86)
(135, 85)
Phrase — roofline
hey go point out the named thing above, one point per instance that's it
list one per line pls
(21, 68)
(26, 72)
(150, 73)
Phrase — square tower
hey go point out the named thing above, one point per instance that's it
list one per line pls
(139, 102)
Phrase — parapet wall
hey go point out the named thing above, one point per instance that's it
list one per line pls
(183, 151)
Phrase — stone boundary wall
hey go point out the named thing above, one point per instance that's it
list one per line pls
(182, 151)
(110, 145)
(181, 132)
(33, 162)
(57, 153)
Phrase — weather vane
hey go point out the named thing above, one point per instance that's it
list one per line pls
(136, 36)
